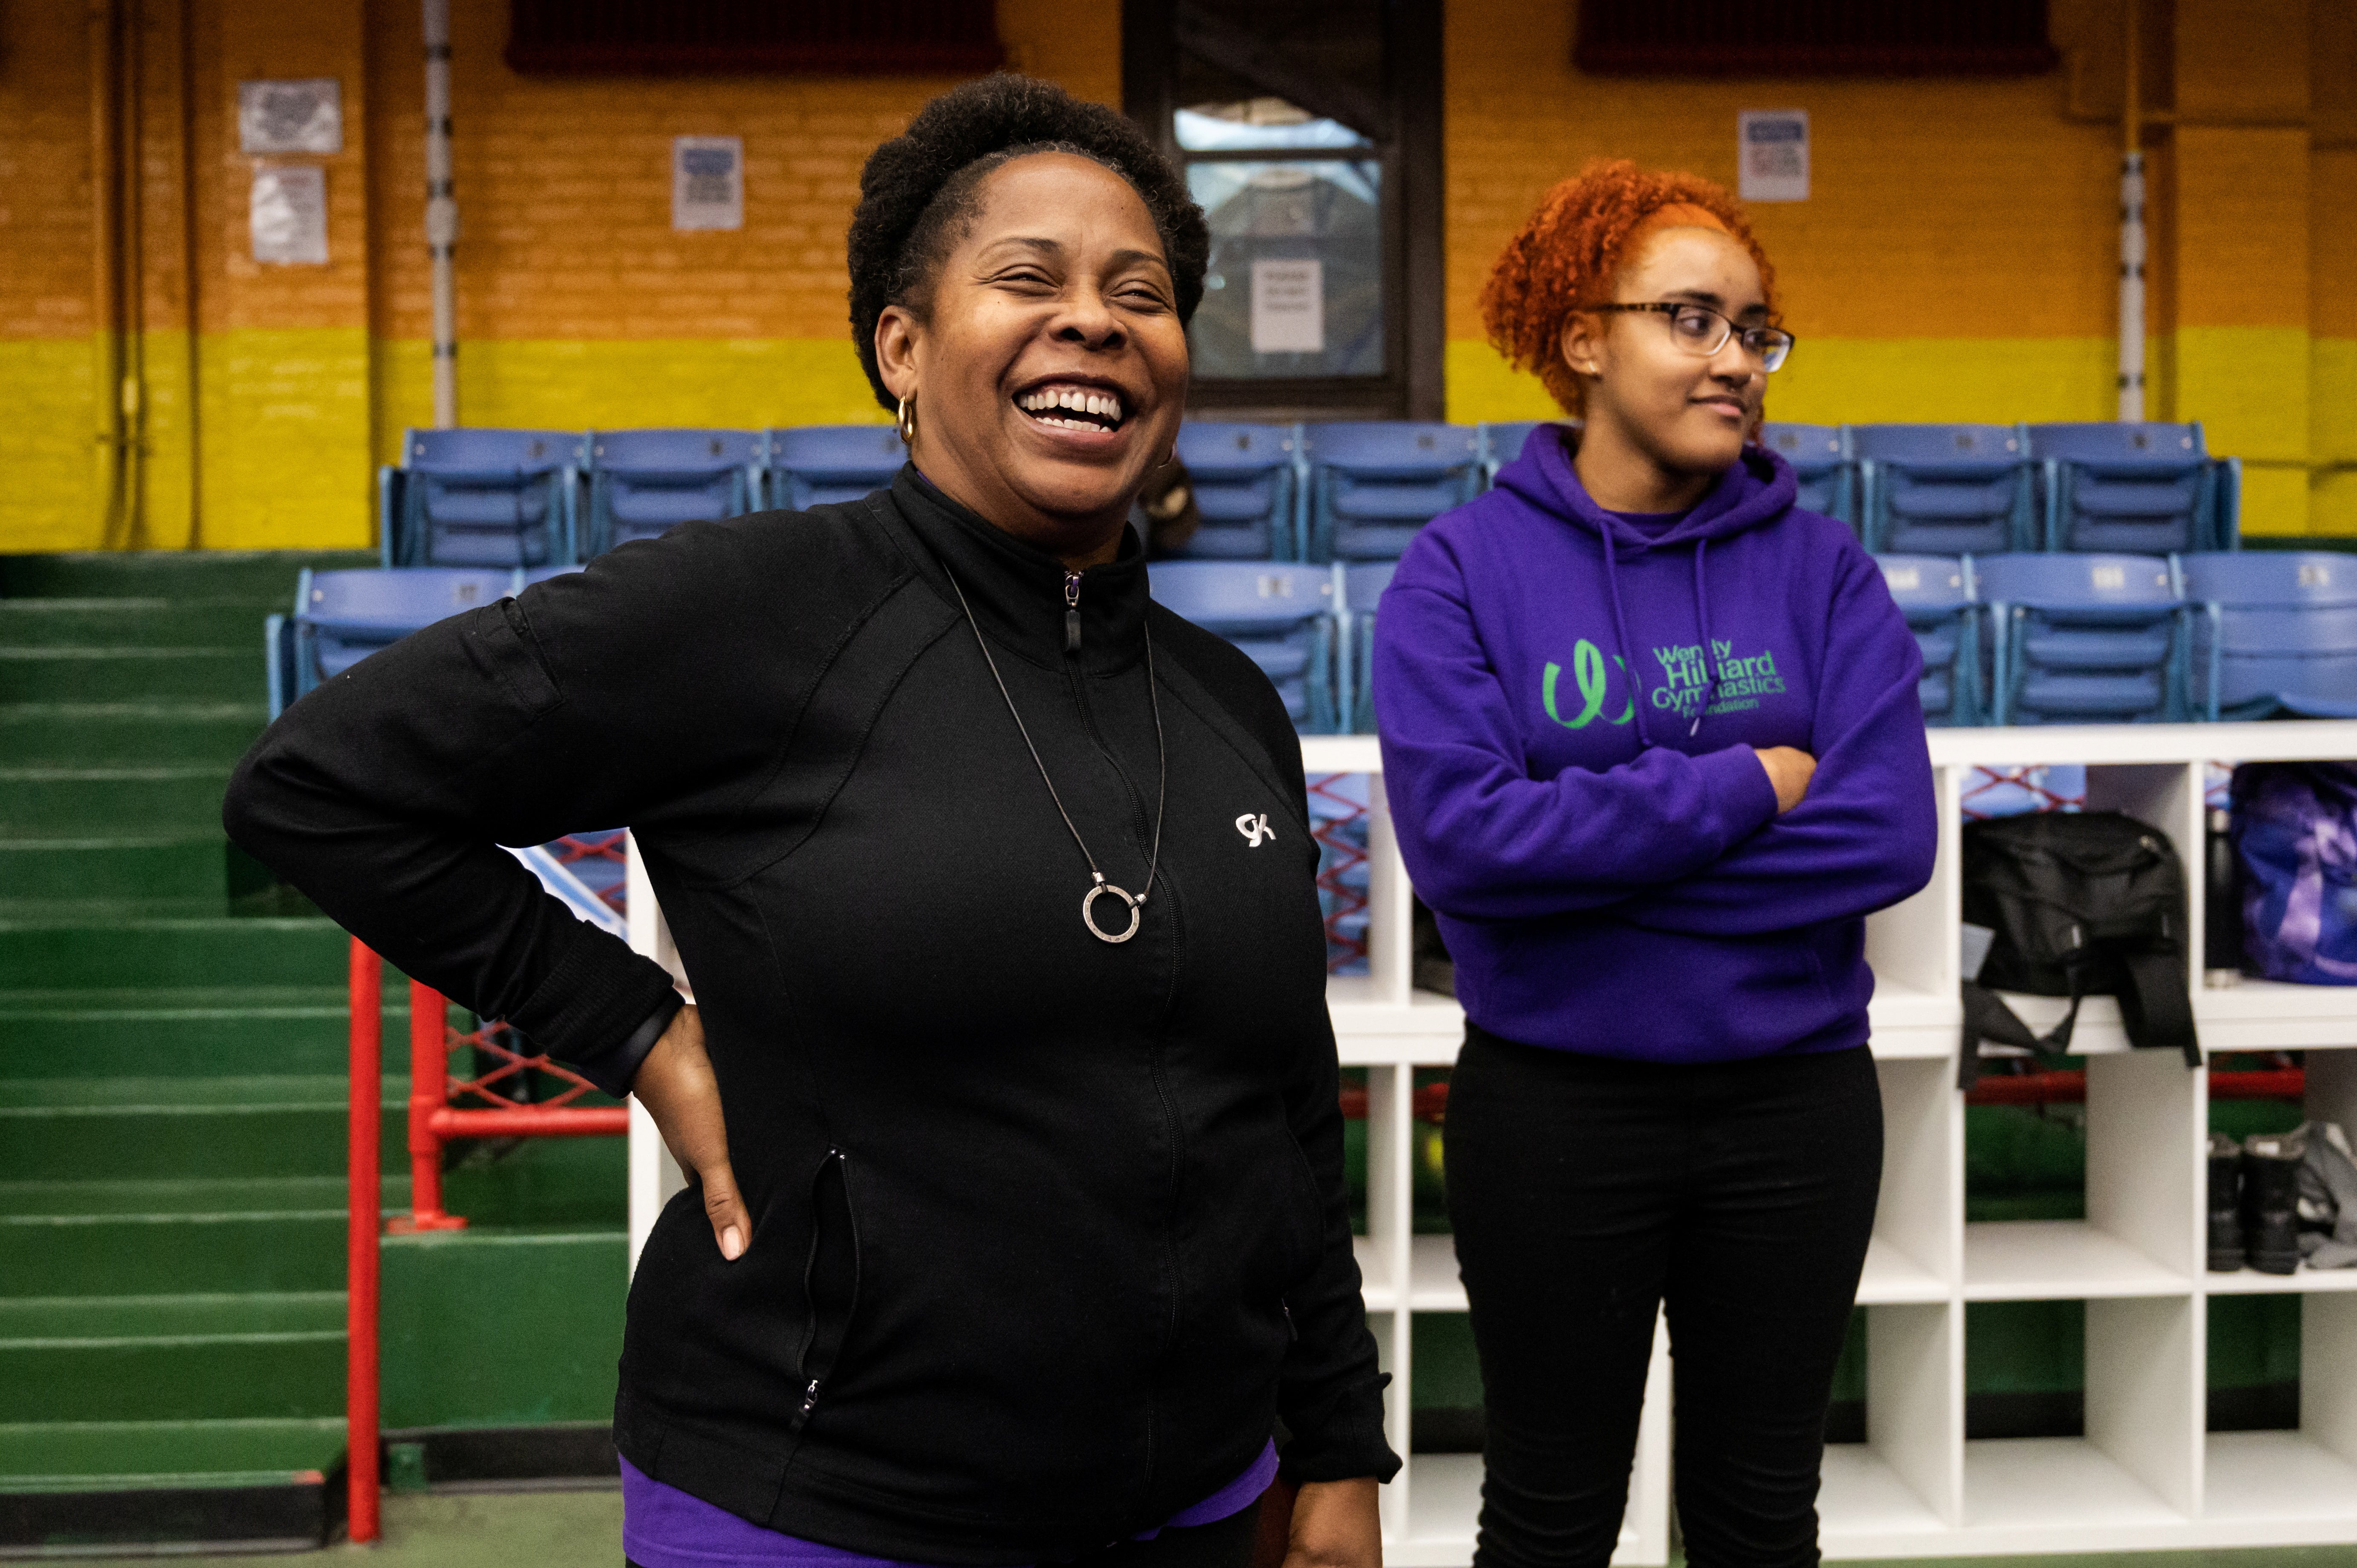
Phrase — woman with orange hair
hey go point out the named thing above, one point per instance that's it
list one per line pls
(1653, 751)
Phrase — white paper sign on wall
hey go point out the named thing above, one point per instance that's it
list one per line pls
(297, 116)
(289, 215)
(1772, 147)
(707, 182)
(1288, 306)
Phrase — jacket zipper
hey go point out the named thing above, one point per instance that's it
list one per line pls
(1161, 1082)
(801, 1417)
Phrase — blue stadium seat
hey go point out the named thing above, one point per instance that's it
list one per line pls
(819, 465)
(1247, 486)
(643, 483)
(1943, 490)
(341, 617)
(278, 662)
(1502, 443)
(2084, 639)
(2275, 631)
(2147, 488)
(1819, 455)
(1362, 589)
(1280, 614)
(480, 497)
(1935, 594)
(1373, 483)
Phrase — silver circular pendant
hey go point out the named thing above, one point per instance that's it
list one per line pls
(1088, 915)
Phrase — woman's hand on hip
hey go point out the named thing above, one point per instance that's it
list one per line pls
(1789, 772)
(676, 1085)
(1336, 1525)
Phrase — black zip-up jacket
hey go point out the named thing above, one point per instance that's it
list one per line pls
(1047, 1232)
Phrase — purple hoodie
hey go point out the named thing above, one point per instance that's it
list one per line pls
(1571, 779)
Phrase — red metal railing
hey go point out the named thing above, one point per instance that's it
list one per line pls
(2032, 781)
(2069, 1087)
(490, 1106)
(498, 1112)
(598, 858)
(1340, 855)
(366, 1190)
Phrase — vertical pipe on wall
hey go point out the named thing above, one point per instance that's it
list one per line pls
(190, 409)
(441, 213)
(2132, 236)
(106, 284)
(131, 396)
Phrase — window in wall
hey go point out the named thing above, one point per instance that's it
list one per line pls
(1308, 130)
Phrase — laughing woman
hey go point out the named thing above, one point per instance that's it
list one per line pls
(1654, 750)
(1017, 1219)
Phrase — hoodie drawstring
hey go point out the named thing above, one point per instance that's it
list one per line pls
(1629, 649)
(1631, 663)
(1709, 653)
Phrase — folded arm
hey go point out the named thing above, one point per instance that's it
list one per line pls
(1863, 836)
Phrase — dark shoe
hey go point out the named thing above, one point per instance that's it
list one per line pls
(2226, 1205)
(2271, 1200)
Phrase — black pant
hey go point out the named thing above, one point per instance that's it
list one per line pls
(1222, 1543)
(1585, 1192)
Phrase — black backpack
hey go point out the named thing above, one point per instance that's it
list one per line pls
(2081, 903)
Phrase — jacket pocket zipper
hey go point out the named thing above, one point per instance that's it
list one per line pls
(815, 1377)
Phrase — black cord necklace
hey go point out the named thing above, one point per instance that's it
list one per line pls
(1100, 887)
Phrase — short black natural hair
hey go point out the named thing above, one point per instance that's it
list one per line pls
(920, 186)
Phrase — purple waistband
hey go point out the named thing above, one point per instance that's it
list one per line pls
(663, 1527)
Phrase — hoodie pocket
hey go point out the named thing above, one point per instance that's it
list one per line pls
(830, 1282)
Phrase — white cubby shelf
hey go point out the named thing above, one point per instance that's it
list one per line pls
(2147, 1473)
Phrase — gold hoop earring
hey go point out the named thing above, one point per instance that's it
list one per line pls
(908, 422)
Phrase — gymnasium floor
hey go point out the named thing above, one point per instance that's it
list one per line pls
(583, 1529)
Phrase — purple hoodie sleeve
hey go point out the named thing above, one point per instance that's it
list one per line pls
(1864, 836)
(1485, 841)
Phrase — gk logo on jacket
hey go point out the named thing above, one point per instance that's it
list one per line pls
(1255, 829)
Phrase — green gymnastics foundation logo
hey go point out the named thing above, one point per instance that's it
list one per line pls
(1588, 672)
(1743, 680)
(1686, 678)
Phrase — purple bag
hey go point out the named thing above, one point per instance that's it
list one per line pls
(2295, 836)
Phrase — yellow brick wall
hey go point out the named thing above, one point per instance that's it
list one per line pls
(2333, 265)
(46, 451)
(1956, 260)
(579, 306)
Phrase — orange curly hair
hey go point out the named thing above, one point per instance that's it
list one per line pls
(1572, 248)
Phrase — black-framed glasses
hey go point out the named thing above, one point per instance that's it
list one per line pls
(1700, 330)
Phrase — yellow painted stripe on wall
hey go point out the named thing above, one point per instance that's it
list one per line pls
(46, 451)
(2332, 434)
(286, 424)
(2332, 399)
(747, 383)
(2249, 387)
(292, 433)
